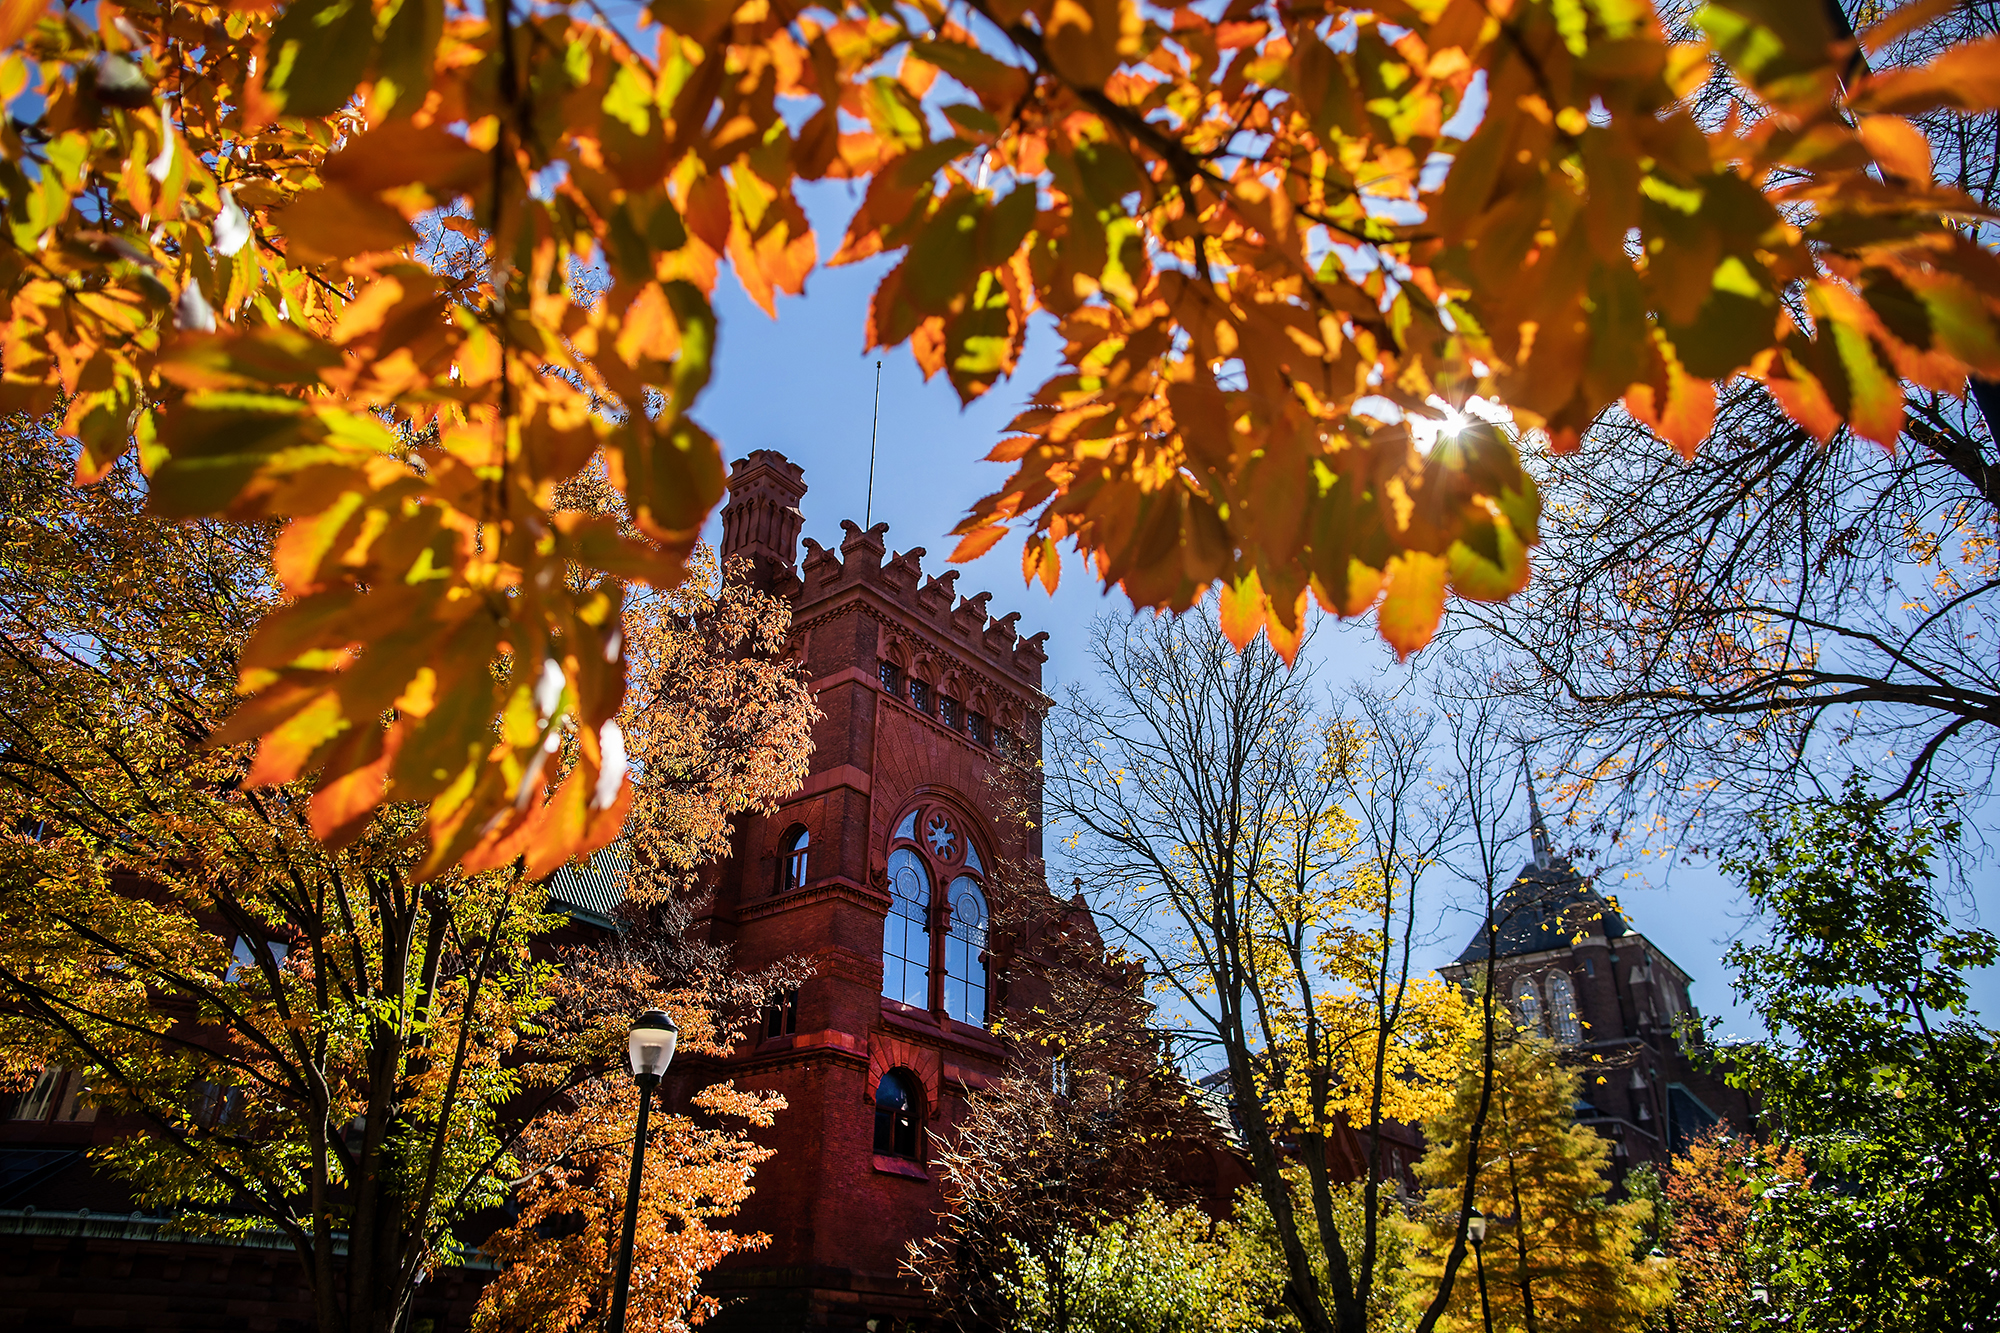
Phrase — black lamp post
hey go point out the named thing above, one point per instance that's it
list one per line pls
(653, 1038)
(1475, 1231)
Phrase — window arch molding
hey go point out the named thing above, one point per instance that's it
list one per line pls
(794, 858)
(936, 934)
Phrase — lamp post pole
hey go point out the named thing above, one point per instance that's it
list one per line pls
(652, 1049)
(1475, 1229)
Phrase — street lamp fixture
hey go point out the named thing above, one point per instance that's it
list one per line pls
(1475, 1231)
(651, 1051)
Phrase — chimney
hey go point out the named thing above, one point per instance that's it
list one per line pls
(761, 520)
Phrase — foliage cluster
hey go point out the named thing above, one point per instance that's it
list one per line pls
(1717, 1231)
(1558, 1255)
(322, 263)
(1154, 1270)
(1876, 1071)
(304, 1033)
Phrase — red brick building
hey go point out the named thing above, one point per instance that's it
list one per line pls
(1569, 965)
(881, 871)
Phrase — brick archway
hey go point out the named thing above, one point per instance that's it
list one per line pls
(886, 1053)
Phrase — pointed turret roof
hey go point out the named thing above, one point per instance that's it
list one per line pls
(1546, 907)
(1549, 904)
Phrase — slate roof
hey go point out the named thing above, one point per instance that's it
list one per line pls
(1214, 1097)
(1547, 906)
(594, 890)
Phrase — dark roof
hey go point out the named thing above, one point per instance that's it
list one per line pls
(1548, 905)
(594, 890)
(1214, 1096)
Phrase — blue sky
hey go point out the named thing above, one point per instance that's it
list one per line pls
(803, 385)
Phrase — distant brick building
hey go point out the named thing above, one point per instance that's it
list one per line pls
(1569, 965)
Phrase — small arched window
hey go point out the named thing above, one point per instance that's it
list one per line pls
(899, 1100)
(1527, 1005)
(906, 931)
(1562, 1009)
(965, 953)
(792, 865)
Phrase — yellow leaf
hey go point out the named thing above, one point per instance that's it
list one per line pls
(1414, 602)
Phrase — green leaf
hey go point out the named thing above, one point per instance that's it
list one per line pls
(322, 48)
(944, 255)
(409, 44)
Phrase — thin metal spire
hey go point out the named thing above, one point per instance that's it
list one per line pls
(1537, 829)
(868, 514)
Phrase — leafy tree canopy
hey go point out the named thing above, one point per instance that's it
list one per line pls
(1876, 1069)
(1283, 242)
(1557, 1255)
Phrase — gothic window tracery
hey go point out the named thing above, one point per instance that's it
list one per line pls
(945, 934)
(906, 945)
(939, 835)
(1562, 1009)
(965, 953)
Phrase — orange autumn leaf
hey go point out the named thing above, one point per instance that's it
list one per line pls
(371, 210)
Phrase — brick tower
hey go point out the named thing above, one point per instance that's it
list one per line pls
(881, 870)
(1569, 965)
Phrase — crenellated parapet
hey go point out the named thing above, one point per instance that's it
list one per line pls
(962, 625)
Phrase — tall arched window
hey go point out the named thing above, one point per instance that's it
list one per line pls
(792, 864)
(899, 1101)
(906, 931)
(1562, 1009)
(1528, 1005)
(932, 845)
(965, 953)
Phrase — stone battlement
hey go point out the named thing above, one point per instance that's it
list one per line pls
(961, 622)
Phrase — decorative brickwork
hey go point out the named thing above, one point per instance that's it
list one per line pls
(869, 624)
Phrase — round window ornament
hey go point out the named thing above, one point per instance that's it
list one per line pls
(940, 836)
